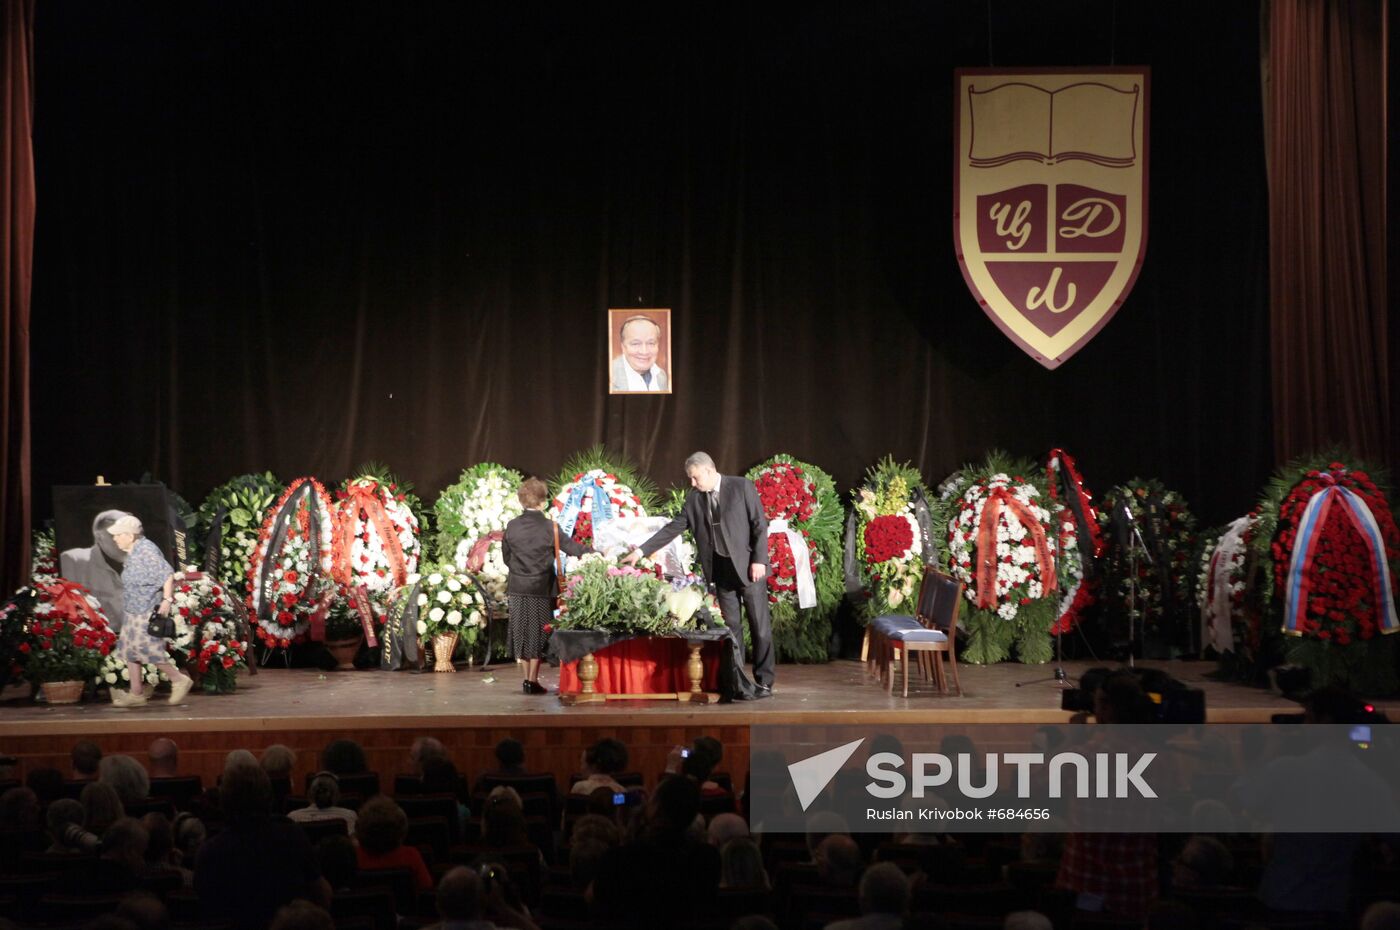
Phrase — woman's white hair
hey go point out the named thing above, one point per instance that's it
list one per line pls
(125, 524)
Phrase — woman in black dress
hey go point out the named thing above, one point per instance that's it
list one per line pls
(528, 551)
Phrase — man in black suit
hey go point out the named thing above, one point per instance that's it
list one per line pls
(731, 533)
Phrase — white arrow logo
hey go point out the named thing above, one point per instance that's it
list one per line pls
(811, 776)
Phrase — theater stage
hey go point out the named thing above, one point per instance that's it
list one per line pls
(470, 711)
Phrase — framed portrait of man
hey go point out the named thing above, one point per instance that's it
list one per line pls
(639, 351)
(88, 554)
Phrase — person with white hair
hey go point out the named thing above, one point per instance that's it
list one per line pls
(147, 586)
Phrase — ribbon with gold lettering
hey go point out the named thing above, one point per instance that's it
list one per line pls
(998, 500)
(366, 497)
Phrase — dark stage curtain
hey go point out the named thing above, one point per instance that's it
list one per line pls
(16, 278)
(302, 236)
(1326, 139)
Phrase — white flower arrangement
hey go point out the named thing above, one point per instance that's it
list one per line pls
(369, 561)
(1018, 573)
(448, 602)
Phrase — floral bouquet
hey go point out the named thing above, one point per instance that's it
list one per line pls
(619, 599)
(1229, 622)
(1165, 580)
(342, 617)
(593, 488)
(1329, 550)
(43, 558)
(207, 623)
(890, 546)
(1078, 537)
(67, 635)
(472, 516)
(378, 532)
(804, 554)
(448, 601)
(236, 507)
(289, 583)
(1002, 545)
(15, 616)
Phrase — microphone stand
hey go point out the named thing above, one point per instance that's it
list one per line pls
(1136, 544)
(1060, 676)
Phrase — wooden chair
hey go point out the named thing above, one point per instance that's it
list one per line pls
(931, 632)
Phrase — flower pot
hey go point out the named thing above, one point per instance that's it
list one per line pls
(444, 644)
(343, 651)
(63, 692)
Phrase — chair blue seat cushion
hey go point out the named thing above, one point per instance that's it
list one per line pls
(889, 624)
(921, 635)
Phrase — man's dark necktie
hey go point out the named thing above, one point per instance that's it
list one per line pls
(646, 378)
(716, 525)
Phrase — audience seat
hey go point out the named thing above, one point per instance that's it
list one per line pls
(180, 790)
(377, 904)
(398, 882)
(75, 908)
(434, 806)
(317, 830)
(364, 784)
(432, 833)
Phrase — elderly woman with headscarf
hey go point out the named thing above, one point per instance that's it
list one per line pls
(147, 585)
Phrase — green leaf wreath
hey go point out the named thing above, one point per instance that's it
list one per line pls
(245, 500)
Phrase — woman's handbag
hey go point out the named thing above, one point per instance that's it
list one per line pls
(161, 626)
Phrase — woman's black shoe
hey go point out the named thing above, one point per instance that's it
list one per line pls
(534, 687)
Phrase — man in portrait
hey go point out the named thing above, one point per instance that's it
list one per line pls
(637, 369)
(99, 566)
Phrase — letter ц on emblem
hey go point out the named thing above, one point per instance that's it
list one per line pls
(1050, 194)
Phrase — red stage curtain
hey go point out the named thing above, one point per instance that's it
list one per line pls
(1325, 134)
(16, 276)
(644, 666)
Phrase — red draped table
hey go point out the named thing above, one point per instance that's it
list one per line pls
(596, 666)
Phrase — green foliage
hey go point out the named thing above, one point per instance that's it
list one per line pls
(600, 596)
(989, 638)
(396, 486)
(246, 500)
(448, 509)
(618, 465)
(1367, 668)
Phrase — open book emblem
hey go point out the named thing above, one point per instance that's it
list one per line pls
(1050, 198)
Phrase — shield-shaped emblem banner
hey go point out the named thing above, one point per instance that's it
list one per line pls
(1050, 198)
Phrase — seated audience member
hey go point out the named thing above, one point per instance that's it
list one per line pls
(503, 819)
(839, 862)
(324, 795)
(302, 915)
(86, 756)
(590, 840)
(601, 762)
(101, 807)
(726, 827)
(189, 837)
(239, 757)
(127, 777)
(884, 899)
(423, 749)
(1113, 872)
(440, 777)
(380, 830)
(65, 825)
(1383, 915)
(278, 761)
(122, 858)
(46, 783)
(19, 810)
(1027, 920)
(344, 757)
(820, 825)
(741, 865)
(144, 910)
(339, 862)
(267, 859)
(1204, 862)
(464, 904)
(510, 759)
(160, 842)
(164, 758)
(664, 876)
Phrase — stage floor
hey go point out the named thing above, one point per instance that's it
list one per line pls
(839, 692)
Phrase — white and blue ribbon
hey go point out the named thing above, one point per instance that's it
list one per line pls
(1304, 550)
